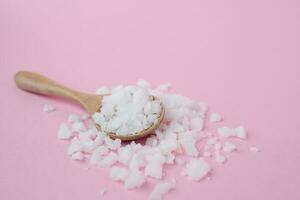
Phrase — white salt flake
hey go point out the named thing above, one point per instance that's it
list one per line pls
(215, 117)
(160, 190)
(74, 118)
(75, 146)
(108, 160)
(77, 156)
(118, 173)
(229, 147)
(48, 108)
(239, 132)
(78, 127)
(64, 132)
(197, 169)
(219, 157)
(135, 179)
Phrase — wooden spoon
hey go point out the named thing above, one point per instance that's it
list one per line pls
(37, 83)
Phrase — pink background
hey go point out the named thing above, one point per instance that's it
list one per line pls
(241, 57)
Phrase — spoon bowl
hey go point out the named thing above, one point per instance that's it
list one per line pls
(36, 83)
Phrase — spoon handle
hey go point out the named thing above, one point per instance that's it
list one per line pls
(40, 84)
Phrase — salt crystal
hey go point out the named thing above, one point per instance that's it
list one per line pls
(215, 117)
(135, 179)
(74, 118)
(48, 108)
(239, 132)
(64, 132)
(108, 160)
(160, 190)
(219, 157)
(197, 169)
(154, 170)
(78, 127)
(75, 146)
(77, 156)
(125, 154)
(229, 147)
(118, 173)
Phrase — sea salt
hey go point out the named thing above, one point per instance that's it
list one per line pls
(239, 132)
(128, 110)
(48, 108)
(160, 190)
(118, 173)
(74, 118)
(179, 140)
(229, 147)
(135, 179)
(197, 169)
(64, 132)
(215, 117)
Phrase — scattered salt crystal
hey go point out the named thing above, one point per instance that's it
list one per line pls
(239, 132)
(108, 160)
(197, 169)
(74, 118)
(118, 173)
(154, 170)
(48, 108)
(161, 189)
(77, 156)
(229, 147)
(78, 127)
(215, 117)
(219, 157)
(135, 179)
(129, 109)
(124, 154)
(196, 124)
(75, 146)
(254, 149)
(64, 132)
